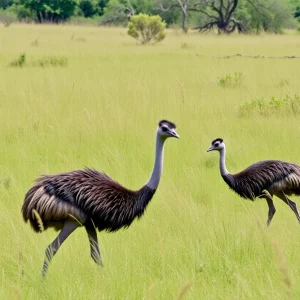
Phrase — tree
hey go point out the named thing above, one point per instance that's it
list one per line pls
(6, 3)
(220, 14)
(295, 5)
(102, 4)
(51, 10)
(185, 6)
(119, 11)
(147, 29)
(88, 8)
(268, 15)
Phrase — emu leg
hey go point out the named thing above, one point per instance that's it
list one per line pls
(92, 235)
(69, 227)
(290, 203)
(272, 210)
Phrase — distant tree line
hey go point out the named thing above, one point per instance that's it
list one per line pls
(225, 16)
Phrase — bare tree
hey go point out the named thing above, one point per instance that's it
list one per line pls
(185, 6)
(219, 13)
(221, 16)
(119, 13)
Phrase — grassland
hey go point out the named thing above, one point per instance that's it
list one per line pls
(197, 240)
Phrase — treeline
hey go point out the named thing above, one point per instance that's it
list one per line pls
(224, 15)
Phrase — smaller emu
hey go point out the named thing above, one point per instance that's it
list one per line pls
(87, 197)
(263, 180)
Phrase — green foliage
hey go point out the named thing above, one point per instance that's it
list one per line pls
(51, 10)
(22, 13)
(295, 6)
(119, 11)
(147, 29)
(19, 62)
(51, 61)
(231, 80)
(89, 8)
(286, 105)
(7, 17)
(5, 3)
(267, 15)
(255, 15)
(102, 4)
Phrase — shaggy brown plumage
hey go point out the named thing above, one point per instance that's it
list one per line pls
(270, 175)
(87, 197)
(84, 194)
(262, 179)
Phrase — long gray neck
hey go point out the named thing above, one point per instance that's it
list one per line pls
(223, 169)
(158, 164)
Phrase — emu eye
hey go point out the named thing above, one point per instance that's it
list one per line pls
(217, 144)
(164, 129)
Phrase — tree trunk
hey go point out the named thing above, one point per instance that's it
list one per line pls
(39, 17)
(184, 19)
(184, 28)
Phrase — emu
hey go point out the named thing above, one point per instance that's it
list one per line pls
(87, 197)
(263, 180)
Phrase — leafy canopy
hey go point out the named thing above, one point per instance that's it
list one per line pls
(51, 10)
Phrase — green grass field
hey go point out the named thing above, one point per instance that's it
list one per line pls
(197, 239)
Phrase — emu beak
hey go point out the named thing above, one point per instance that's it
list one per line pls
(210, 149)
(174, 134)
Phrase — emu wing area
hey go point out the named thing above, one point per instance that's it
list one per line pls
(272, 175)
(100, 198)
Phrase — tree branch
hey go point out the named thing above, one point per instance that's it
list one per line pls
(194, 8)
(204, 12)
(160, 7)
(234, 6)
(213, 7)
(181, 5)
(207, 26)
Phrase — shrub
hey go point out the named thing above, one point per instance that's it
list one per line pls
(7, 17)
(35, 43)
(51, 61)
(19, 62)
(231, 80)
(147, 29)
(286, 105)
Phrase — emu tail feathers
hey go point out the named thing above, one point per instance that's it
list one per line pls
(44, 210)
(29, 209)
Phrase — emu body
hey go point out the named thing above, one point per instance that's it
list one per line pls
(263, 180)
(90, 198)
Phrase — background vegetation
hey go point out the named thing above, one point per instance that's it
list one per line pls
(88, 96)
(227, 16)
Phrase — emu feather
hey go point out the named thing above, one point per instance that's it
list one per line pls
(90, 198)
(262, 179)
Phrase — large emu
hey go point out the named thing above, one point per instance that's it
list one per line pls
(262, 179)
(87, 197)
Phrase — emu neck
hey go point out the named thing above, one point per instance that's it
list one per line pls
(158, 164)
(223, 169)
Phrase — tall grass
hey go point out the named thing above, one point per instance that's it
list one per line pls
(197, 240)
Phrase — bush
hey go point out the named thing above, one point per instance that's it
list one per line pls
(48, 61)
(19, 62)
(147, 29)
(7, 17)
(51, 61)
(231, 80)
(287, 105)
(23, 14)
